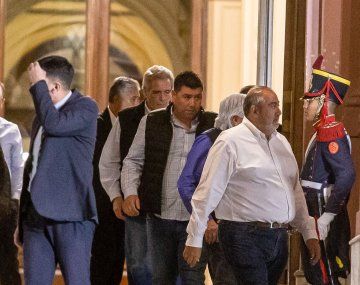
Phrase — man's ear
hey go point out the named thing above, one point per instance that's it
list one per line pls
(58, 85)
(173, 95)
(235, 120)
(253, 109)
(143, 93)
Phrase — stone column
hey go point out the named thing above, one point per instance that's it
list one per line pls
(97, 50)
(2, 42)
(349, 114)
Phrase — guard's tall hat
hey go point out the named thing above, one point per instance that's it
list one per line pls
(333, 86)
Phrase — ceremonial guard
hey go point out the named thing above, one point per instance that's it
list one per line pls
(327, 176)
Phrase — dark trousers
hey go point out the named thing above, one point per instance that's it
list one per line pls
(258, 256)
(9, 265)
(220, 270)
(47, 243)
(334, 253)
(166, 243)
(108, 251)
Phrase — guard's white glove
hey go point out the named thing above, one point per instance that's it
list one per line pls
(323, 224)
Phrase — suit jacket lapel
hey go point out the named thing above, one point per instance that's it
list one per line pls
(140, 111)
(106, 117)
(35, 128)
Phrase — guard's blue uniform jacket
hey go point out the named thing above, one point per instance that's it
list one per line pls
(329, 171)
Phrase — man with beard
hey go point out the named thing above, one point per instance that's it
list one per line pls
(251, 180)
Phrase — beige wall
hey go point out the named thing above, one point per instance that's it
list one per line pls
(278, 48)
(232, 48)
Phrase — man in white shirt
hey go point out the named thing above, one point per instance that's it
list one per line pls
(11, 145)
(157, 85)
(251, 180)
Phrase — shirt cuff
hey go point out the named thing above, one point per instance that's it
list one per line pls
(130, 192)
(112, 196)
(308, 231)
(16, 195)
(194, 241)
(309, 234)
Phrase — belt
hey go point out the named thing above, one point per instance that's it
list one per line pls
(273, 225)
(326, 191)
(311, 184)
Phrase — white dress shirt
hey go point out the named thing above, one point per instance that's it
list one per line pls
(113, 118)
(37, 142)
(11, 144)
(172, 207)
(248, 178)
(109, 164)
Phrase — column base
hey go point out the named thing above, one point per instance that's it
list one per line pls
(355, 259)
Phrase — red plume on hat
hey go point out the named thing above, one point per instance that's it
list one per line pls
(318, 62)
(333, 87)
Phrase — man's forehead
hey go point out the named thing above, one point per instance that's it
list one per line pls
(158, 81)
(270, 97)
(190, 91)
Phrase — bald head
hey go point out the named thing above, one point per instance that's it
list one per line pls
(261, 107)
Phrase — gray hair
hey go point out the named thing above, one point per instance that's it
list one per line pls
(121, 86)
(156, 72)
(230, 106)
(254, 98)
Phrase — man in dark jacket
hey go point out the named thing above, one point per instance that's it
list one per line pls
(156, 87)
(107, 259)
(150, 173)
(57, 205)
(327, 176)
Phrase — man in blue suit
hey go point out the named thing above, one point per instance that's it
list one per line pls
(57, 204)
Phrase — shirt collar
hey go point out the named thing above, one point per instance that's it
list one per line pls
(3, 121)
(112, 116)
(256, 132)
(147, 110)
(177, 122)
(61, 103)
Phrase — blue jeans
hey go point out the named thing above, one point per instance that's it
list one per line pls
(258, 256)
(220, 270)
(166, 244)
(136, 251)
